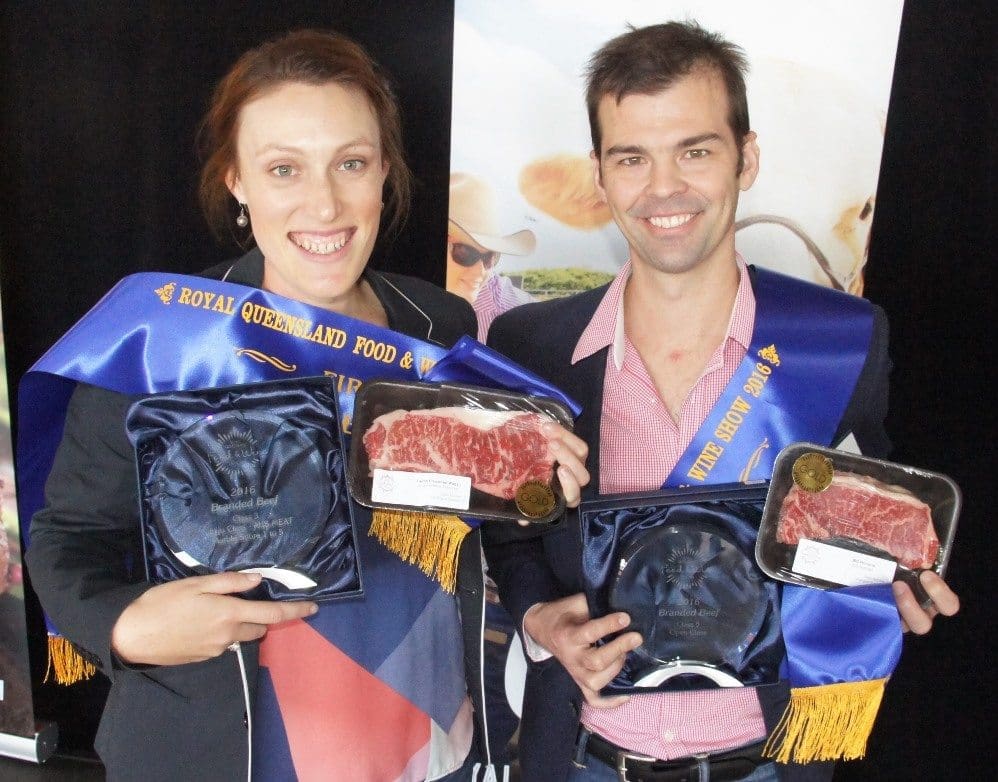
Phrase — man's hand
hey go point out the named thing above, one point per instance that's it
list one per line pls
(564, 628)
(197, 618)
(569, 452)
(917, 619)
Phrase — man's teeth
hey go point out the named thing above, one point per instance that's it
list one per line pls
(319, 247)
(672, 221)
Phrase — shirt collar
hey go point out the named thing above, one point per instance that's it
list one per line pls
(606, 327)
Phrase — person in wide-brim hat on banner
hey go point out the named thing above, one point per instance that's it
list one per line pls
(475, 243)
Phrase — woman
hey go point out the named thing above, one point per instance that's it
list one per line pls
(305, 135)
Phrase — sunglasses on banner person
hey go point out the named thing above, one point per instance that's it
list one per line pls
(465, 255)
(475, 242)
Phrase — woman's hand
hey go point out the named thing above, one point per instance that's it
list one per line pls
(197, 618)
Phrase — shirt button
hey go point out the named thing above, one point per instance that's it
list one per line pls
(669, 736)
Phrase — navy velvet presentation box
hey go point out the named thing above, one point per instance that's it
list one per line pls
(681, 563)
(247, 478)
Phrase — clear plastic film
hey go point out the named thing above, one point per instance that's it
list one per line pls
(834, 518)
(453, 448)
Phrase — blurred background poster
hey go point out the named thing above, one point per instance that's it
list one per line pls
(16, 709)
(522, 182)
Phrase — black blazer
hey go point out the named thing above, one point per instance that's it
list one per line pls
(184, 721)
(531, 567)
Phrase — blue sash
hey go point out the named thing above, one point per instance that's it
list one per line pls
(808, 348)
(156, 332)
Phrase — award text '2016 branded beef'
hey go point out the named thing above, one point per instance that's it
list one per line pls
(498, 450)
(861, 508)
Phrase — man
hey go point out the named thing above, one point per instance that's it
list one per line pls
(648, 357)
(474, 245)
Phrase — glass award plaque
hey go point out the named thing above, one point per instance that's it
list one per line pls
(680, 562)
(247, 478)
(241, 490)
(691, 593)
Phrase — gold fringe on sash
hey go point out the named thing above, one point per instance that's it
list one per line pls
(66, 664)
(826, 722)
(431, 542)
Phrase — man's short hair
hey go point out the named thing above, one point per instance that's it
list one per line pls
(647, 60)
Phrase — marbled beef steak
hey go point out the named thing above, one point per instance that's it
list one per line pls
(861, 508)
(498, 450)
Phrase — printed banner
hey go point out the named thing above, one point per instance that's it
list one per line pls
(16, 706)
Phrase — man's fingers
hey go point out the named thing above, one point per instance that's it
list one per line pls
(570, 488)
(610, 655)
(571, 467)
(944, 599)
(917, 619)
(601, 702)
(595, 629)
(559, 437)
(912, 614)
(570, 452)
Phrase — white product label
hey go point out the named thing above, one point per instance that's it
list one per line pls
(840, 565)
(421, 489)
(849, 445)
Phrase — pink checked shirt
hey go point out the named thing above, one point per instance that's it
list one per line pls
(497, 295)
(640, 443)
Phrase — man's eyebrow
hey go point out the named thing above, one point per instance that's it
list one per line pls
(686, 143)
(628, 149)
(693, 141)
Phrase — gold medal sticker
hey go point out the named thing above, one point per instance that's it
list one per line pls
(813, 471)
(535, 499)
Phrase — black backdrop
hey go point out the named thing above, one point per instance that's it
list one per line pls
(98, 106)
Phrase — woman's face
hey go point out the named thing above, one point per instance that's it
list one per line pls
(310, 170)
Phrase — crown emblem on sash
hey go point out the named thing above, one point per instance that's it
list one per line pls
(769, 354)
(166, 292)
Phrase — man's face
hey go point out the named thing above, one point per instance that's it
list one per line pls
(669, 172)
(468, 267)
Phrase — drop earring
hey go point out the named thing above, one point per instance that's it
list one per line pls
(241, 219)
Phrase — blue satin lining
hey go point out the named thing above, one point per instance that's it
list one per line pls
(609, 533)
(303, 452)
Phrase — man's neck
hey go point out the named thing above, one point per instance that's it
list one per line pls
(677, 321)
